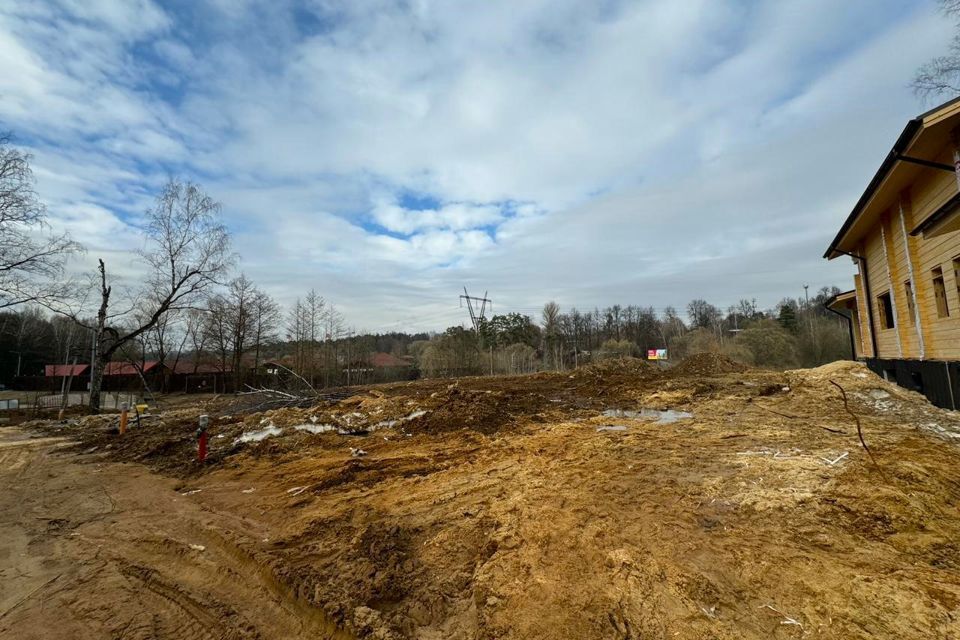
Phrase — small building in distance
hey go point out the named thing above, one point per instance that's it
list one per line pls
(134, 376)
(117, 375)
(903, 235)
(199, 377)
(74, 371)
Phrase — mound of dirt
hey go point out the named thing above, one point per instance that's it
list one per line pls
(618, 367)
(455, 408)
(707, 364)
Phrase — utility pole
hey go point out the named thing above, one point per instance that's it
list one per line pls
(813, 334)
(477, 319)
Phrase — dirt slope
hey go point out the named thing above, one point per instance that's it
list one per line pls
(503, 508)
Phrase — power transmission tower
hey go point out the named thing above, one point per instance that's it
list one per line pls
(476, 318)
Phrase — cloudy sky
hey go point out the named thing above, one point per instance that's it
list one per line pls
(389, 153)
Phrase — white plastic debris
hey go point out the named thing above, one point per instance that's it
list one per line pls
(257, 436)
(356, 453)
(198, 547)
(315, 428)
(837, 459)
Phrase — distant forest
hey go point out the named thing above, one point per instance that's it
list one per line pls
(240, 330)
(194, 313)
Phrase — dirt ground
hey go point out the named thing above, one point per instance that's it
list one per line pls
(541, 506)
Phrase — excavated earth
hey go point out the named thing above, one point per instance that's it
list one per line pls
(622, 501)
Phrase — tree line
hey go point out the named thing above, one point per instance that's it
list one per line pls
(796, 332)
(192, 310)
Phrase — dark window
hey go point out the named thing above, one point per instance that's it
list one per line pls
(911, 309)
(885, 306)
(940, 293)
(917, 379)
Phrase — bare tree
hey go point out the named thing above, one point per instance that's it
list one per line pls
(195, 333)
(551, 333)
(29, 333)
(265, 316)
(670, 327)
(216, 331)
(31, 264)
(296, 334)
(71, 340)
(941, 75)
(188, 250)
(333, 330)
(168, 338)
(239, 307)
(315, 309)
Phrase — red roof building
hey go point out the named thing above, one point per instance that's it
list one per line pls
(382, 360)
(128, 368)
(65, 370)
(190, 368)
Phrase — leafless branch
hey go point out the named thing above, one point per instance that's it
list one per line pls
(856, 418)
(941, 75)
(31, 260)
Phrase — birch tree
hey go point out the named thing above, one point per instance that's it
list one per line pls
(31, 259)
(941, 75)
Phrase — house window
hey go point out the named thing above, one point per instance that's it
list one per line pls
(885, 306)
(956, 274)
(940, 292)
(911, 309)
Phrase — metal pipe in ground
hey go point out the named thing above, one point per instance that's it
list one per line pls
(202, 438)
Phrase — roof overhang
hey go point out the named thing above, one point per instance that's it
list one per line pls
(845, 300)
(915, 150)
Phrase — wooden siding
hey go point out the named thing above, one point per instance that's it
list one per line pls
(908, 252)
(865, 346)
(932, 188)
(893, 258)
(888, 342)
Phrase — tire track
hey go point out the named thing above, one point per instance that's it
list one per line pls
(187, 618)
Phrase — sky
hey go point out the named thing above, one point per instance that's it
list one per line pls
(387, 154)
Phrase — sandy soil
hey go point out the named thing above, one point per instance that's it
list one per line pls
(498, 508)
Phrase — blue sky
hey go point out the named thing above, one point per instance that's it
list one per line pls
(389, 153)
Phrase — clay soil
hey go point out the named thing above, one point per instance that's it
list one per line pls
(508, 507)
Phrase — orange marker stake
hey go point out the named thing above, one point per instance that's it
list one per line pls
(123, 418)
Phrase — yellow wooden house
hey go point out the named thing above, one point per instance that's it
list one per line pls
(903, 235)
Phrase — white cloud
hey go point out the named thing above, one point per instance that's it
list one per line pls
(457, 216)
(645, 152)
